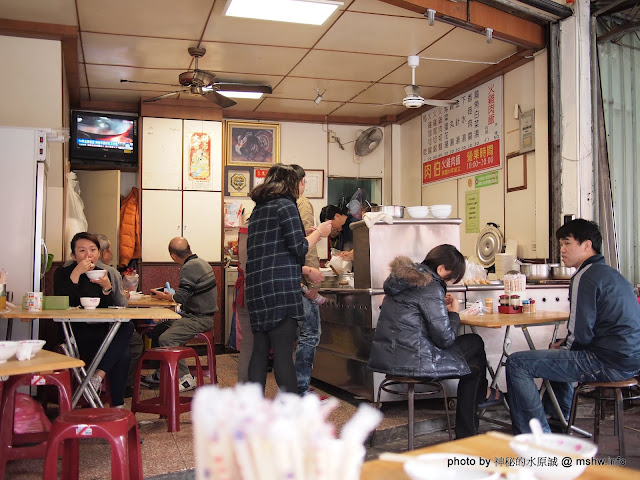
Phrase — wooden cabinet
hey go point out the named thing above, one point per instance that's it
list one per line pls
(161, 153)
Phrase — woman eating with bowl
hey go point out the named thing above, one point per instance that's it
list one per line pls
(74, 281)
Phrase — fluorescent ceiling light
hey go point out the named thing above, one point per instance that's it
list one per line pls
(312, 12)
(232, 94)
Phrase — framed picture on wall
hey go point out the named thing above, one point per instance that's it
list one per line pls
(238, 181)
(256, 144)
(315, 183)
(259, 174)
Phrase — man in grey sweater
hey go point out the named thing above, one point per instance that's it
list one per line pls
(199, 298)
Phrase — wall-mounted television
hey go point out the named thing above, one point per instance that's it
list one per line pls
(100, 138)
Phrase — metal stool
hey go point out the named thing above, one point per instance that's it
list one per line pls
(391, 380)
(169, 404)
(210, 371)
(28, 445)
(599, 395)
(117, 426)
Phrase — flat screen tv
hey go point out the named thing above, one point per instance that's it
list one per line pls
(99, 138)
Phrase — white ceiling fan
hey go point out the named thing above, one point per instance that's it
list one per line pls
(413, 98)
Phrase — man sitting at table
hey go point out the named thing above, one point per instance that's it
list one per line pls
(603, 341)
(199, 298)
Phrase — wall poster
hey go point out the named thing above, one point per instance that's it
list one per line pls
(202, 155)
(472, 211)
(465, 138)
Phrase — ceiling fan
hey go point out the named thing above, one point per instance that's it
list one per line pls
(413, 98)
(200, 82)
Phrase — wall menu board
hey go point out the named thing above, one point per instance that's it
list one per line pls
(465, 138)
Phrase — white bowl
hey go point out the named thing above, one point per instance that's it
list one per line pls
(420, 211)
(445, 466)
(136, 296)
(27, 349)
(7, 350)
(441, 211)
(95, 274)
(89, 302)
(566, 446)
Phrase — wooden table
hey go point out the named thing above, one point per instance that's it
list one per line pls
(487, 446)
(522, 321)
(115, 316)
(149, 301)
(43, 362)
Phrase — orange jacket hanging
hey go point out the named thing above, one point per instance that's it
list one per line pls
(129, 245)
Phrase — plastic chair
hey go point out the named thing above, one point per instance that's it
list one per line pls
(28, 445)
(391, 380)
(117, 426)
(169, 404)
(210, 371)
(598, 391)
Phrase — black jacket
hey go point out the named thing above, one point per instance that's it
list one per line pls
(415, 333)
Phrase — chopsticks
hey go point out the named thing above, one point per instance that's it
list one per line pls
(334, 270)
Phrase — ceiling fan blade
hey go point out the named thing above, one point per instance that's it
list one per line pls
(439, 103)
(122, 80)
(384, 104)
(242, 87)
(159, 97)
(218, 99)
(412, 90)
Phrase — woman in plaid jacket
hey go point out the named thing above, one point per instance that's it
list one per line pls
(276, 247)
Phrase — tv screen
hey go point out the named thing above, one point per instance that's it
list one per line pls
(104, 138)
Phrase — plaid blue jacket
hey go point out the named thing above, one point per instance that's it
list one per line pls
(276, 247)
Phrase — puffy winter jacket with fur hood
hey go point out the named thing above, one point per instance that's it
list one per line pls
(415, 334)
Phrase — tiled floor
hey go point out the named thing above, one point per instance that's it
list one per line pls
(164, 452)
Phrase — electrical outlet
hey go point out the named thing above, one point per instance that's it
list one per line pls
(332, 136)
(533, 246)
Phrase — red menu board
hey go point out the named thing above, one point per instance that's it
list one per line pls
(463, 139)
(460, 164)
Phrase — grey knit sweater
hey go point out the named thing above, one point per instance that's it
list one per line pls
(197, 289)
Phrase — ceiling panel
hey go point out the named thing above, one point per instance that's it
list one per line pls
(364, 111)
(185, 19)
(390, 93)
(466, 45)
(346, 66)
(369, 33)
(282, 105)
(374, 6)
(334, 90)
(60, 12)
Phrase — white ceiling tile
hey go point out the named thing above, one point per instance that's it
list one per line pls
(466, 45)
(281, 105)
(370, 33)
(240, 58)
(346, 66)
(391, 93)
(61, 12)
(185, 19)
(375, 6)
(362, 110)
(334, 90)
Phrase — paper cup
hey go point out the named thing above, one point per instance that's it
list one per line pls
(34, 302)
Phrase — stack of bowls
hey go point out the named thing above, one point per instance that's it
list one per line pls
(419, 211)
(441, 211)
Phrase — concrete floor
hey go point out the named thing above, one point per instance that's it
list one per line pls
(166, 453)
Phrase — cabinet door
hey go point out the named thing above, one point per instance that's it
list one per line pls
(161, 221)
(202, 223)
(161, 153)
(202, 155)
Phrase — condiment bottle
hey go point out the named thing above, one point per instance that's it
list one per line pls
(515, 301)
(532, 306)
(489, 304)
(526, 306)
(504, 300)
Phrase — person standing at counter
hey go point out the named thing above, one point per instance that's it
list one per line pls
(70, 281)
(309, 327)
(276, 247)
(417, 333)
(603, 341)
(341, 219)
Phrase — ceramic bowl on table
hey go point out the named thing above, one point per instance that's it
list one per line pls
(95, 274)
(561, 449)
(445, 466)
(135, 296)
(89, 302)
(7, 350)
(441, 211)
(27, 349)
(418, 211)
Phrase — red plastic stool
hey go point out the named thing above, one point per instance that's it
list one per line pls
(210, 371)
(18, 446)
(169, 404)
(116, 425)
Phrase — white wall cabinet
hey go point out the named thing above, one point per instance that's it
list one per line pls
(161, 221)
(161, 153)
(202, 223)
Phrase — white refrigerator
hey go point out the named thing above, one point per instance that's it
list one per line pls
(23, 187)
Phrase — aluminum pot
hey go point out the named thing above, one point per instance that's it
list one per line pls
(395, 211)
(337, 281)
(535, 271)
(559, 272)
